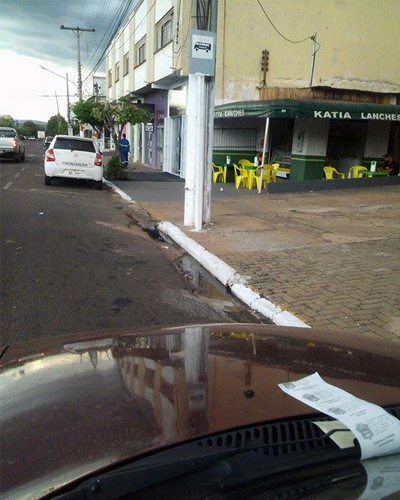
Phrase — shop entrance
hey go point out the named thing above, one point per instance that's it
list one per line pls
(394, 141)
(346, 143)
(148, 144)
(176, 125)
(280, 143)
(160, 146)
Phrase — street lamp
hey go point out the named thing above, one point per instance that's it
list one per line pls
(54, 73)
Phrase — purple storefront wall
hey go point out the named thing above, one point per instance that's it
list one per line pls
(160, 100)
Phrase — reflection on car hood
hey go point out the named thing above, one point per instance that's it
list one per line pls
(72, 405)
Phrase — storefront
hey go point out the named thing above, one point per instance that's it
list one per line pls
(306, 135)
(175, 133)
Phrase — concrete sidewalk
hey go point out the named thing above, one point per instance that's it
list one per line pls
(330, 258)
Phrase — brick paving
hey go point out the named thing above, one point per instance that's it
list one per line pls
(331, 258)
(353, 287)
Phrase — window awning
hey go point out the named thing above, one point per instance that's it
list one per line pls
(311, 108)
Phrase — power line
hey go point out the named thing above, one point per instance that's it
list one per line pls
(281, 34)
(109, 29)
(112, 28)
(101, 15)
(133, 32)
(187, 34)
(102, 57)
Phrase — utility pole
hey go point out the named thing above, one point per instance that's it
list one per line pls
(70, 132)
(200, 123)
(77, 32)
(58, 108)
(210, 134)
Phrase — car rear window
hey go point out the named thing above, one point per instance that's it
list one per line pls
(75, 144)
(7, 133)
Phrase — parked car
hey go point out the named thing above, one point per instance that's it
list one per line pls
(73, 158)
(11, 145)
(46, 142)
(191, 412)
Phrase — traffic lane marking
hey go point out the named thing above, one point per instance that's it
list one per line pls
(87, 194)
(17, 175)
(7, 185)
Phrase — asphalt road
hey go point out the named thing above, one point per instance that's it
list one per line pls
(71, 261)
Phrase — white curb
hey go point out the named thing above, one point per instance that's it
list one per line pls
(118, 191)
(224, 273)
(230, 278)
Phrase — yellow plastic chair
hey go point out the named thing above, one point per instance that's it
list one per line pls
(217, 172)
(266, 176)
(329, 171)
(240, 176)
(274, 170)
(354, 172)
(245, 163)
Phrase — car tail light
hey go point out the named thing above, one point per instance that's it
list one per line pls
(98, 160)
(50, 155)
(14, 143)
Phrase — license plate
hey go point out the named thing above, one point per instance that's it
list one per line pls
(75, 173)
(2, 151)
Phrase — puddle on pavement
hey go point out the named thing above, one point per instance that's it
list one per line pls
(213, 292)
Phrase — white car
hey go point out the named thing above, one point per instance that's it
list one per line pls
(73, 158)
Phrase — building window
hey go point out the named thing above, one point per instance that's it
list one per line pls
(110, 78)
(126, 63)
(117, 72)
(164, 31)
(140, 52)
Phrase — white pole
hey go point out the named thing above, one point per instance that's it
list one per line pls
(188, 218)
(263, 153)
(195, 151)
(201, 153)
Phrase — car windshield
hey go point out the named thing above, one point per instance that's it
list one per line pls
(74, 145)
(198, 206)
(7, 133)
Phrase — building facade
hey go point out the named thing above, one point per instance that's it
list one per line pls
(341, 56)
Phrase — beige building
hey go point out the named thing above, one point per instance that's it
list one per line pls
(326, 71)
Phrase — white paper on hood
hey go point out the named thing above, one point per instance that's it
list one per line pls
(377, 432)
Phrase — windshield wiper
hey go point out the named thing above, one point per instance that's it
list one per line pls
(167, 464)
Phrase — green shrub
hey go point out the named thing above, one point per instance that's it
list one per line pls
(116, 169)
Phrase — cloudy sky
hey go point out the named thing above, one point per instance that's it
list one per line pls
(31, 37)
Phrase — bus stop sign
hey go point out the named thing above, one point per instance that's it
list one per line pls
(202, 52)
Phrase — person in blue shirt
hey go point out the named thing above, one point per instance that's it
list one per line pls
(124, 149)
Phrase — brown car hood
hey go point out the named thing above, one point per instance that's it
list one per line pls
(72, 405)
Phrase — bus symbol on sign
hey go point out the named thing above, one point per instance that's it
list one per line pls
(202, 46)
(202, 52)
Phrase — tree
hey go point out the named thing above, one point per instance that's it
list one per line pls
(28, 129)
(84, 113)
(56, 125)
(6, 121)
(112, 115)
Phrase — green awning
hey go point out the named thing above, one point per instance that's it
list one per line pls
(287, 108)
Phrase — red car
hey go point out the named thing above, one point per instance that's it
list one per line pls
(191, 412)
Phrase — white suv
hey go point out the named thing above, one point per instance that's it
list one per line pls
(73, 158)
